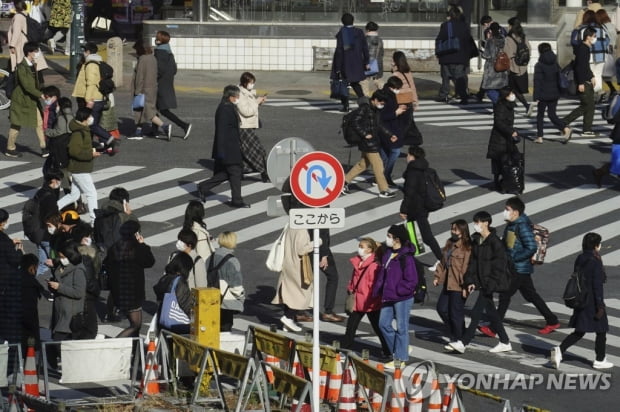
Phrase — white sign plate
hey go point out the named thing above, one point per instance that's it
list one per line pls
(317, 218)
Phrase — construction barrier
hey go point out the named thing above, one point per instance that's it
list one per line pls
(11, 367)
(294, 387)
(370, 378)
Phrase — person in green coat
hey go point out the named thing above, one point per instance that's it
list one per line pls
(25, 108)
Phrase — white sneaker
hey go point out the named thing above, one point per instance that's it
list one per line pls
(501, 347)
(52, 45)
(604, 364)
(457, 346)
(434, 267)
(448, 348)
(556, 357)
(289, 324)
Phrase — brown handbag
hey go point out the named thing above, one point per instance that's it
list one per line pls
(502, 62)
(307, 276)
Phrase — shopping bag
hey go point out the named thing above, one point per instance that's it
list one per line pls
(101, 23)
(275, 259)
(339, 89)
(138, 102)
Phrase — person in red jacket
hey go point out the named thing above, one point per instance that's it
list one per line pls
(365, 267)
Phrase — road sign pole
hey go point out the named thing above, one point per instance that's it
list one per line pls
(316, 313)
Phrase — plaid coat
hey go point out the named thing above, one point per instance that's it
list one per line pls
(126, 261)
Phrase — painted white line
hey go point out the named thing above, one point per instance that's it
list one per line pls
(612, 258)
(571, 247)
(5, 164)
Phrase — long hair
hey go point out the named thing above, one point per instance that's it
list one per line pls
(516, 28)
(194, 212)
(400, 61)
(463, 227)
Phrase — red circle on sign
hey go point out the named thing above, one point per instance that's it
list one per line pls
(317, 179)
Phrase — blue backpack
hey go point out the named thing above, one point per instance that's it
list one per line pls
(611, 110)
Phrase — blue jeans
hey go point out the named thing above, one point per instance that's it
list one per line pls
(493, 95)
(389, 160)
(43, 250)
(396, 339)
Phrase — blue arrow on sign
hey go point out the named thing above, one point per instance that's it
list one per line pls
(323, 180)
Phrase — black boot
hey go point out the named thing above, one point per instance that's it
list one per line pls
(345, 105)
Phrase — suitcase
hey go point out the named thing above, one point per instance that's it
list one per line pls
(513, 171)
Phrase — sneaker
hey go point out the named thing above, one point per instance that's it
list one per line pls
(387, 195)
(604, 364)
(448, 348)
(52, 45)
(12, 153)
(548, 329)
(289, 324)
(487, 331)
(135, 137)
(434, 267)
(501, 347)
(389, 366)
(345, 189)
(529, 111)
(167, 128)
(457, 346)
(589, 133)
(109, 141)
(538, 140)
(567, 134)
(556, 357)
(187, 131)
(45, 153)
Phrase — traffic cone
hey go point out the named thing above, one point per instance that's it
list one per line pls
(434, 401)
(448, 395)
(323, 384)
(299, 405)
(377, 398)
(14, 404)
(397, 403)
(346, 401)
(31, 378)
(272, 361)
(414, 394)
(335, 381)
(151, 375)
(456, 404)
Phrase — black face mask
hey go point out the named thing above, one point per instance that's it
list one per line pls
(454, 237)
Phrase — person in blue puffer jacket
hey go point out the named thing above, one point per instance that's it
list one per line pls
(395, 284)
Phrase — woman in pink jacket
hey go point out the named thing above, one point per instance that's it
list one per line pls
(365, 267)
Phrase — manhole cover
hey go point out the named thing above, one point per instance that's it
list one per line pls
(291, 92)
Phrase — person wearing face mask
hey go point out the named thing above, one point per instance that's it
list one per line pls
(179, 267)
(395, 284)
(91, 259)
(81, 156)
(186, 243)
(517, 74)
(502, 141)
(521, 246)
(11, 251)
(253, 152)
(366, 265)
(449, 274)
(486, 273)
(226, 150)
(390, 117)
(593, 317)
(585, 80)
(25, 110)
(367, 124)
(58, 135)
(16, 37)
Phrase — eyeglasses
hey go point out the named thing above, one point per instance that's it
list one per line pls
(72, 214)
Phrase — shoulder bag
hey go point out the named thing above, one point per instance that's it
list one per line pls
(172, 315)
(449, 45)
(349, 303)
(307, 276)
(275, 259)
(405, 97)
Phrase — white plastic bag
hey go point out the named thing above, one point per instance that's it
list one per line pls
(275, 259)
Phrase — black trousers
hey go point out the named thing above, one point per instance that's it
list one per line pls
(427, 234)
(226, 320)
(352, 324)
(551, 107)
(451, 310)
(485, 304)
(174, 119)
(599, 343)
(523, 283)
(222, 173)
(331, 283)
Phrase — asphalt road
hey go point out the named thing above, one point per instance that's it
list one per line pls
(559, 188)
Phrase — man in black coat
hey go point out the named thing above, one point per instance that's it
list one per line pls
(412, 207)
(226, 149)
(585, 80)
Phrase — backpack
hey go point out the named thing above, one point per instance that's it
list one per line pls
(522, 55)
(213, 272)
(106, 72)
(34, 30)
(502, 62)
(541, 235)
(348, 132)
(576, 36)
(106, 229)
(568, 72)
(611, 110)
(419, 293)
(31, 220)
(435, 192)
(576, 292)
(601, 46)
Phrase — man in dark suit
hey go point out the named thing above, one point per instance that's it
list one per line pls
(226, 149)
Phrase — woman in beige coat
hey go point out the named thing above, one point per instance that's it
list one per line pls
(517, 76)
(17, 38)
(253, 152)
(290, 292)
(145, 82)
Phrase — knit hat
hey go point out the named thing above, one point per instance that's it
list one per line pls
(399, 231)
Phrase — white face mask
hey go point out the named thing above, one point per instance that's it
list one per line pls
(477, 228)
(250, 86)
(51, 230)
(87, 241)
(6, 225)
(506, 215)
(380, 106)
(361, 252)
(511, 97)
(37, 55)
(48, 102)
(181, 246)
(90, 121)
(235, 102)
(389, 242)
(395, 91)
(64, 261)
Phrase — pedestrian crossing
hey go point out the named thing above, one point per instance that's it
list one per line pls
(474, 116)
(159, 199)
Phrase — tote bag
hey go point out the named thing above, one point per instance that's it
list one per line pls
(172, 316)
(615, 159)
(373, 65)
(275, 259)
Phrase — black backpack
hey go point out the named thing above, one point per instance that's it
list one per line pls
(419, 293)
(435, 192)
(522, 55)
(348, 132)
(31, 220)
(106, 230)
(106, 73)
(34, 30)
(576, 292)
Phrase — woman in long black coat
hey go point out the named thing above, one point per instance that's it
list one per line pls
(503, 134)
(593, 317)
(10, 283)
(126, 261)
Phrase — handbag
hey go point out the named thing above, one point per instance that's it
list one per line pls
(614, 167)
(449, 45)
(609, 68)
(78, 323)
(405, 96)
(349, 302)
(339, 89)
(307, 276)
(373, 65)
(138, 102)
(413, 238)
(172, 315)
(502, 62)
(413, 136)
(101, 23)
(275, 259)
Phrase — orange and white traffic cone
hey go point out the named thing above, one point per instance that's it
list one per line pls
(397, 403)
(299, 405)
(414, 394)
(456, 404)
(335, 381)
(434, 401)
(448, 396)
(272, 361)
(377, 398)
(151, 372)
(31, 377)
(346, 400)
(14, 404)
(323, 385)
